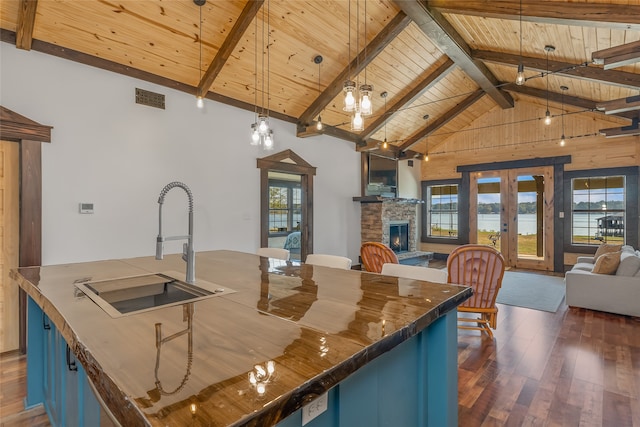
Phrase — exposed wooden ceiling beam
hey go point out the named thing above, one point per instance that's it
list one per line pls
(573, 101)
(442, 120)
(409, 98)
(25, 24)
(618, 56)
(594, 74)
(242, 23)
(632, 129)
(630, 103)
(447, 39)
(621, 16)
(310, 130)
(359, 63)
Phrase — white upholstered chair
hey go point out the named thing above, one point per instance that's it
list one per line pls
(415, 272)
(333, 261)
(277, 253)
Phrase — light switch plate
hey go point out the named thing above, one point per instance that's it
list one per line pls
(314, 408)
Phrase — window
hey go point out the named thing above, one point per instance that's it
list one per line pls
(598, 210)
(442, 211)
(285, 206)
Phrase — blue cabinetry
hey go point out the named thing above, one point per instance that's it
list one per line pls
(414, 384)
(54, 377)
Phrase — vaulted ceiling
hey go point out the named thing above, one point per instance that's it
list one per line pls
(452, 61)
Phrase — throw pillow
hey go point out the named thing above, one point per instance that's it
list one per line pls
(606, 248)
(629, 265)
(607, 263)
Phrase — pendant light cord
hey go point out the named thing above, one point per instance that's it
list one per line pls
(268, 57)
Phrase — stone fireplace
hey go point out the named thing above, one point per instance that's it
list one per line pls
(380, 215)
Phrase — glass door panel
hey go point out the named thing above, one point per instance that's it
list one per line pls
(489, 211)
(285, 212)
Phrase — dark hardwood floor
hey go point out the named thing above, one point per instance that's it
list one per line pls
(574, 367)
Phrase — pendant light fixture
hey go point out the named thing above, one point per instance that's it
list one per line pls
(520, 76)
(349, 86)
(200, 3)
(366, 90)
(562, 141)
(318, 60)
(547, 115)
(261, 134)
(357, 122)
(385, 144)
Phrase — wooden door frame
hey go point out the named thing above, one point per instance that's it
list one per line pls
(30, 135)
(288, 162)
(508, 214)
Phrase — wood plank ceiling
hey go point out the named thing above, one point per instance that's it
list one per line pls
(450, 61)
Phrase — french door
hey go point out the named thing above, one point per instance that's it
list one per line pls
(512, 209)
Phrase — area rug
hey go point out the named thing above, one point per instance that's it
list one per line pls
(530, 290)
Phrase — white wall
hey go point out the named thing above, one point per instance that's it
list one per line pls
(110, 151)
(409, 179)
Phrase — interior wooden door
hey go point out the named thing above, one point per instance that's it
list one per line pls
(9, 244)
(512, 210)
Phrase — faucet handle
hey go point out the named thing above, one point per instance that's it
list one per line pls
(159, 248)
(185, 250)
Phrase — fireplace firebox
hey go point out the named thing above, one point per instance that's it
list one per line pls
(399, 237)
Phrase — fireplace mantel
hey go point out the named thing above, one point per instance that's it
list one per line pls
(380, 199)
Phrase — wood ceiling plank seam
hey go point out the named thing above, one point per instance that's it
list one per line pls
(421, 58)
(442, 120)
(26, 23)
(409, 98)
(432, 23)
(246, 17)
(382, 39)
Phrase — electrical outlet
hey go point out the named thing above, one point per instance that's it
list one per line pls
(314, 408)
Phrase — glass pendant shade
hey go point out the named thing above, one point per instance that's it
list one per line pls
(520, 76)
(357, 123)
(547, 118)
(562, 142)
(385, 144)
(366, 108)
(263, 124)
(255, 135)
(199, 102)
(319, 123)
(268, 140)
(349, 100)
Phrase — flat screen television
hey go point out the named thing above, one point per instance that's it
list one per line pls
(383, 176)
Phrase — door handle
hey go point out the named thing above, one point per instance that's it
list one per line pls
(45, 324)
(71, 365)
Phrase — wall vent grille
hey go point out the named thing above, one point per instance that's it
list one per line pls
(149, 98)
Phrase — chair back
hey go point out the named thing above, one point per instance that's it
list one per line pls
(415, 272)
(479, 266)
(374, 255)
(333, 261)
(277, 253)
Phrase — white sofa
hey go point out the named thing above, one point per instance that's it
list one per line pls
(614, 293)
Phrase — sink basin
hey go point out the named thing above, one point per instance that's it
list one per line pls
(131, 295)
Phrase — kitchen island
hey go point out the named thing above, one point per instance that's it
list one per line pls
(261, 353)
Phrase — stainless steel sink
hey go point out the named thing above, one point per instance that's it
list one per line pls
(131, 295)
